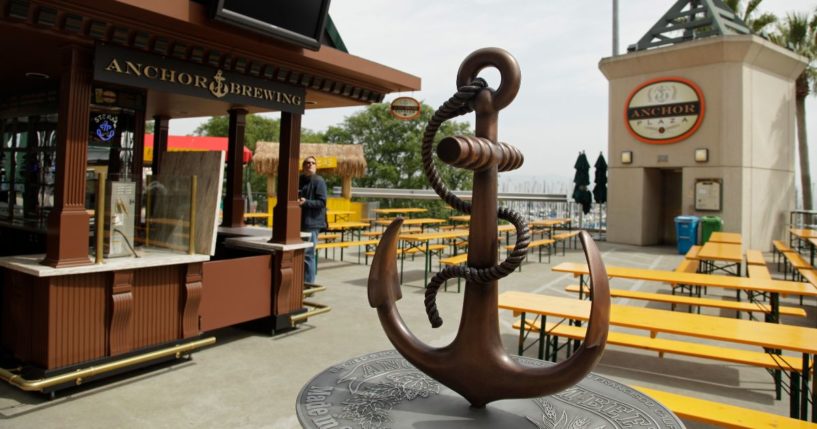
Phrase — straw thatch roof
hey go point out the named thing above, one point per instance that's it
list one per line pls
(351, 162)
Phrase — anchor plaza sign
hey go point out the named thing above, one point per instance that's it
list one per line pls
(664, 110)
(131, 68)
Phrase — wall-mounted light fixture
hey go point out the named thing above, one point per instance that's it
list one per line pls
(701, 155)
(627, 157)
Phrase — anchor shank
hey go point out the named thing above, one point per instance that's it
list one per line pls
(482, 248)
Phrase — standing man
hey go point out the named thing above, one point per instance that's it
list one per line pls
(312, 199)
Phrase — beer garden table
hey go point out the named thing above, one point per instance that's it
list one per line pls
(773, 287)
(767, 335)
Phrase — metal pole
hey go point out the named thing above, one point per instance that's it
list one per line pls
(99, 219)
(192, 229)
(615, 27)
(149, 182)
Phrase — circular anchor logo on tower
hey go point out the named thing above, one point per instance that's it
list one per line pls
(217, 87)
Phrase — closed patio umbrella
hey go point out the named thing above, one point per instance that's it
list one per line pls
(581, 179)
(600, 190)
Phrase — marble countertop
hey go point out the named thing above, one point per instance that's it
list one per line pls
(31, 264)
(261, 243)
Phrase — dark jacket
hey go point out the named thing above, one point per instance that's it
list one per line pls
(313, 211)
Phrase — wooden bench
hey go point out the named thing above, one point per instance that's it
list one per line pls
(536, 244)
(346, 244)
(748, 307)
(758, 272)
(688, 265)
(564, 237)
(452, 261)
(755, 257)
(772, 362)
(692, 253)
(414, 250)
(328, 237)
(780, 249)
(719, 414)
(797, 264)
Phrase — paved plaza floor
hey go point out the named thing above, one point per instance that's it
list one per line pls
(251, 380)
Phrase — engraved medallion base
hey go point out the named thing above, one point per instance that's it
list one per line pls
(383, 390)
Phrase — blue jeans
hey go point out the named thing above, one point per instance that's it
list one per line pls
(310, 256)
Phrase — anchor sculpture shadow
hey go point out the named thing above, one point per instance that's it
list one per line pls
(475, 364)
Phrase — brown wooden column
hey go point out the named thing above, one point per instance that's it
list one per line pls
(287, 266)
(161, 130)
(233, 215)
(286, 216)
(120, 323)
(67, 242)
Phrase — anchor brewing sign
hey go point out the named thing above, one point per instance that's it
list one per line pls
(665, 110)
(142, 70)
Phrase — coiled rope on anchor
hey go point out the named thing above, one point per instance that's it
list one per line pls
(460, 104)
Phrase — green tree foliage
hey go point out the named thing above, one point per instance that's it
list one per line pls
(798, 32)
(758, 22)
(257, 128)
(392, 151)
(392, 148)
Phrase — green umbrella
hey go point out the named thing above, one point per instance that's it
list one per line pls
(600, 190)
(582, 178)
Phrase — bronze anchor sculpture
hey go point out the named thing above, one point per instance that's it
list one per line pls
(475, 364)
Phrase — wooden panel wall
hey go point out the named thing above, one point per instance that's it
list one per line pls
(77, 332)
(156, 305)
(226, 301)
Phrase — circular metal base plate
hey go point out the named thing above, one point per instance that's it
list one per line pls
(383, 390)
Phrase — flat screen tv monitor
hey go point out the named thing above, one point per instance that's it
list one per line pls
(300, 22)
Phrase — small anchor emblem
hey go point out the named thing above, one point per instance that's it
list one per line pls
(217, 87)
(105, 131)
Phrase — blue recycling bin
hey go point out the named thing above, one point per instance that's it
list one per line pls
(686, 232)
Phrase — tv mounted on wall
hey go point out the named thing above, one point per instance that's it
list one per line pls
(300, 22)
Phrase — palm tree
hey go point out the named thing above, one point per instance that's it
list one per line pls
(758, 24)
(798, 33)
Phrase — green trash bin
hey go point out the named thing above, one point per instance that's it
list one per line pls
(710, 224)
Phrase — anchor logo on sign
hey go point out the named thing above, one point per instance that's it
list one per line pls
(217, 87)
(475, 363)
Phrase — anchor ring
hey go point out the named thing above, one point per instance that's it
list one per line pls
(511, 76)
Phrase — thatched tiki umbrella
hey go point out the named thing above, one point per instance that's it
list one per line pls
(344, 160)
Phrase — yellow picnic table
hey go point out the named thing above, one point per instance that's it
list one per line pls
(422, 221)
(425, 239)
(753, 284)
(339, 215)
(345, 226)
(767, 335)
(728, 255)
(808, 235)
(396, 211)
(460, 218)
(550, 224)
(726, 237)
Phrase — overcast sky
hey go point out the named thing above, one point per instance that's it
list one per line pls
(561, 108)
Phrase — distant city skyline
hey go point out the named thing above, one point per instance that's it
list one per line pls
(562, 106)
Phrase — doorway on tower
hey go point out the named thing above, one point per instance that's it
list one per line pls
(663, 198)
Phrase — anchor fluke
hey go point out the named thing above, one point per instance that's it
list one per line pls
(384, 284)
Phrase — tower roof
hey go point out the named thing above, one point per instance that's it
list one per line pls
(690, 20)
